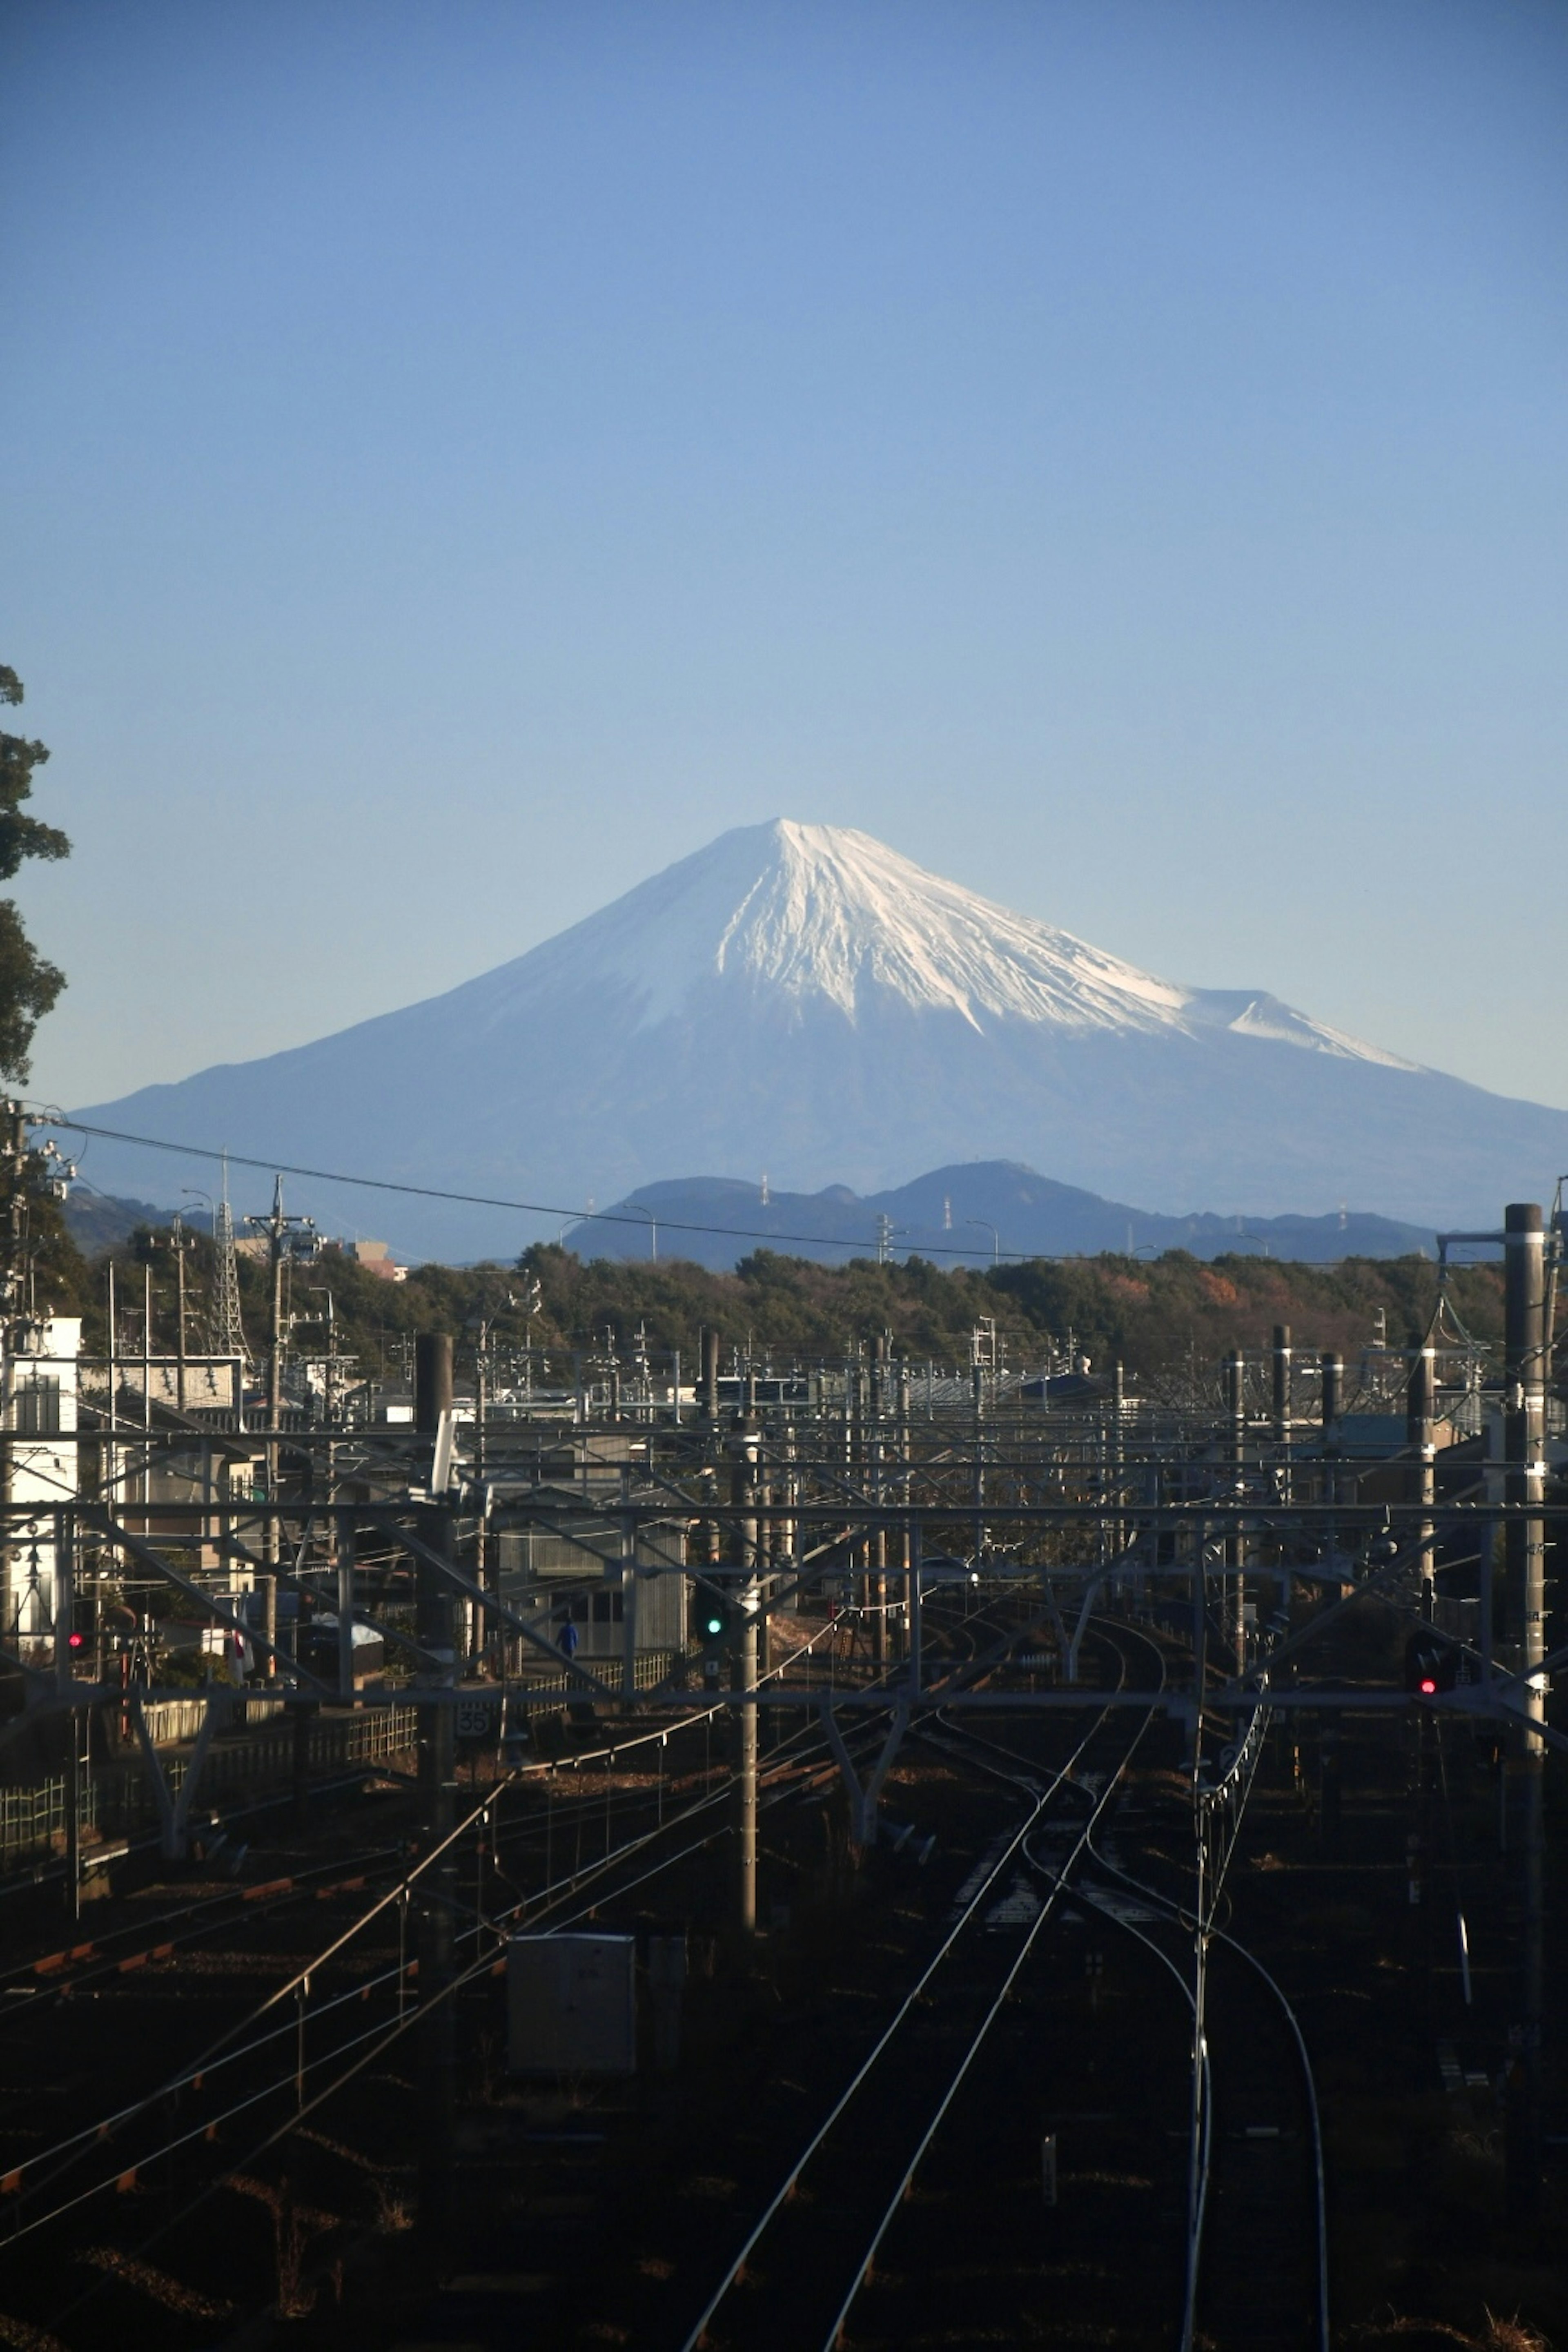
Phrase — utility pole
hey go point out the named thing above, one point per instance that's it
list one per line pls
(437, 1792)
(64, 1678)
(880, 1367)
(1333, 1376)
(745, 1440)
(179, 1242)
(1283, 1405)
(279, 1231)
(23, 1172)
(1235, 1553)
(13, 1263)
(901, 1446)
(1524, 1451)
(1420, 1417)
(1114, 1466)
(1420, 1408)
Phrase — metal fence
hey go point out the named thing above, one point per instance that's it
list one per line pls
(117, 1801)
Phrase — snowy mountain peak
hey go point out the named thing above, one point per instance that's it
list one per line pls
(823, 915)
(799, 998)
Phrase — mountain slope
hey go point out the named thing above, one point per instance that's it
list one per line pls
(801, 999)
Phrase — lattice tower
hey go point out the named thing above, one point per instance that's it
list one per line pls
(225, 1334)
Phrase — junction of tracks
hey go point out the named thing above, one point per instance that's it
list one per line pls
(1108, 1850)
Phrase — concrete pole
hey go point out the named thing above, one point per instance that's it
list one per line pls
(180, 1293)
(432, 1381)
(438, 1793)
(111, 1477)
(146, 1398)
(65, 1675)
(1333, 1374)
(1114, 1464)
(346, 1611)
(1524, 1449)
(65, 1604)
(744, 1441)
(1200, 1641)
(880, 1541)
(787, 1535)
(746, 1776)
(273, 1545)
(1281, 1369)
(1420, 1413)
(1283, 1404)
(1420, 1409)
(902, 1440)
(916, 1661)
(1236, 1419)
(13, 1234)
(1333, 1384)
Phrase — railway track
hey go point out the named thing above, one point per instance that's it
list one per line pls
(57, 1969)
(929, 2125)
(1256, 2251)
(1246, 2245)
(1259, 2258)
(799, 2275)
(267, 2067)
(262, 2058)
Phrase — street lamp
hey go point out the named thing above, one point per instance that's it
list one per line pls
(996, 1237)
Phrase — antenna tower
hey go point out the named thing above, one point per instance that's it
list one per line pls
(226, 1335)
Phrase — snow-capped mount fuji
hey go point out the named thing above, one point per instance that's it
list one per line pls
(819, 916)
(801, 999)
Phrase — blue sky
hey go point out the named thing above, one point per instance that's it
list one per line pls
(461, 457)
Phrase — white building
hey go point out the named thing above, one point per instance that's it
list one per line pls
(39, 1394)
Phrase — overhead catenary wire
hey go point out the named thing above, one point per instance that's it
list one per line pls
(222, 2052)
(381, 2037)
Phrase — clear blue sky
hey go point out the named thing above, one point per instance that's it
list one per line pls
(460, 458)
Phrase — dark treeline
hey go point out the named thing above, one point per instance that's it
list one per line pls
(1154, 1314)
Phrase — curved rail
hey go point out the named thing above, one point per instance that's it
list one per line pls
(1185, 1919)
(1040, 1798)
(834, 2334)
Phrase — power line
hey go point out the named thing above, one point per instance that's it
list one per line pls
(51, 1117)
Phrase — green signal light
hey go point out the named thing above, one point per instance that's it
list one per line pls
(715, 1622)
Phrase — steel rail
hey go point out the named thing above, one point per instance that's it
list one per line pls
(388, 2033)
(1195, 2234)
(221, 2054)
(1040, 1798)
(1186, 1918)
(1202, 2118)
(58, 1978)
(1100, 1802)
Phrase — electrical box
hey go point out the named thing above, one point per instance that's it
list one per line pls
(1048, 2168)
(571, 2005)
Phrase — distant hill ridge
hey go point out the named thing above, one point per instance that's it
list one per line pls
(969, 1212)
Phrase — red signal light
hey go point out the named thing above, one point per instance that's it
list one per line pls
(75, 1641)
(1428, 1687)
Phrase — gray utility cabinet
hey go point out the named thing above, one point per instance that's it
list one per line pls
(571, 2005)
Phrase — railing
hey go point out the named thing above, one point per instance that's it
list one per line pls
(117, 1801)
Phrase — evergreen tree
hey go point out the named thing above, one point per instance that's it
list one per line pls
(28, 983)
